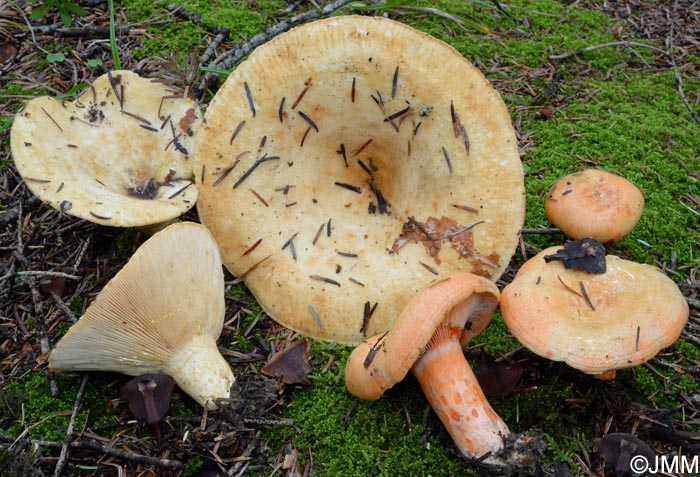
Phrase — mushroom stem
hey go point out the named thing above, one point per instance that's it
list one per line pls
(200, 371)
(454, 393)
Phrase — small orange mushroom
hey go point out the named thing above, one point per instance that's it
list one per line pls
(594, 203)
(427, 339)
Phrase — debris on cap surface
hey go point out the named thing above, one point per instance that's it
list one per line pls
(120, 155)
(348, 162)
(593, 322)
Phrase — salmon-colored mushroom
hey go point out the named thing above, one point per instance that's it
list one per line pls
(596, 323)
(594, 203)
(427, 340)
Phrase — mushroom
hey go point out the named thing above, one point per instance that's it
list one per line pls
(594, 203)
(348, 162)
(596, 323)
(427, 339)
(161, 313)
(117, 156)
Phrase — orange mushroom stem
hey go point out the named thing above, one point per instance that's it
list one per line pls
(427, 339)
(451, 388)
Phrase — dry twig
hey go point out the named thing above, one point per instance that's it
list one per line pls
(231, 57)
(69, 432)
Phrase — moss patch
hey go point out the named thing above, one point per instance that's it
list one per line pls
(28, 404)
(244, 19)
(396, 435)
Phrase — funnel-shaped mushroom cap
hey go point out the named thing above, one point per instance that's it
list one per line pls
(593, 322)
(162, 313)
(594, 203)
(347, 162)
(117, 156)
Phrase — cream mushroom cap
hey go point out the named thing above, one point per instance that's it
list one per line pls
(594, 322)
(161, 313)
(594, 203)
(118, 155)
(349, 161)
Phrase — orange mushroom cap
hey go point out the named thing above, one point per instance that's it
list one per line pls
(594, 322)
(594, 203)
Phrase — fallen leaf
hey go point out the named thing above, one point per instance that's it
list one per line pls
(615, 452)
(148, 396)
(7, 51)
(497, 379)
(291, 366)
(586, 254)
(27, 349)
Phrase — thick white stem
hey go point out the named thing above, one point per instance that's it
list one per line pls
(200, 371)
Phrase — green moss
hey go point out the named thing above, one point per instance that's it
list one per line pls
(689, 351)
(28, 404)
(192, 467)
(641, 381)
(243, 18)
(76, 306)
(396, 435)
(496, 339)
(126, 240)
(636, 128)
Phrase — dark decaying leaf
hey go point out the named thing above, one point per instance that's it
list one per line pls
(291, 366)
(148, 396)
(614, 452)
(497, 379)
(7, 52)
(586, 254)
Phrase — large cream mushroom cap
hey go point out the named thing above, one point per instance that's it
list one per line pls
(119, 155)
(349, 161)
(594, 322)
(161, 313)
